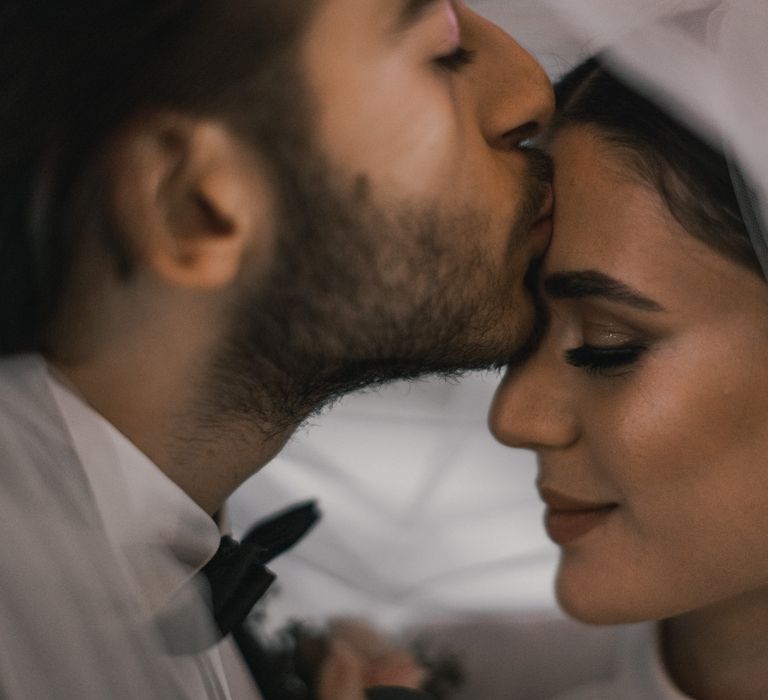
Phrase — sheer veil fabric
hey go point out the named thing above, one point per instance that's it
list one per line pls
(706, 62)
(70, 625)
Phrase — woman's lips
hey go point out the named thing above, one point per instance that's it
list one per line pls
(568, 519)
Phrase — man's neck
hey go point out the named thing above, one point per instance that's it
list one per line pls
(720, 651)
(153, 406)
(140, 352)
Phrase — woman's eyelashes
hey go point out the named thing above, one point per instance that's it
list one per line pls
(606, 361)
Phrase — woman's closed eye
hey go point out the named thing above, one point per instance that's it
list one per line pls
(611, 361)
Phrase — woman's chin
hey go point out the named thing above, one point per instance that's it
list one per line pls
(594, 605)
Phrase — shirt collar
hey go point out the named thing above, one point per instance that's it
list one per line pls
(161, 535)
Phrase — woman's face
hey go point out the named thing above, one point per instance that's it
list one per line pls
(647, 404)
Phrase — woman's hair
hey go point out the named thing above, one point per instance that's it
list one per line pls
(692, 177)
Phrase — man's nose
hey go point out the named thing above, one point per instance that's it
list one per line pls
(514, 99)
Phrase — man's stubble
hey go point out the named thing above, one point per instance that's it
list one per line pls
(360, 294)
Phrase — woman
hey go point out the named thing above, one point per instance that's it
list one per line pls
(647, 402)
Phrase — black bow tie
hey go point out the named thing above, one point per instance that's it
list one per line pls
(237, 577)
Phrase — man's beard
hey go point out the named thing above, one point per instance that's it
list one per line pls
(358, 295)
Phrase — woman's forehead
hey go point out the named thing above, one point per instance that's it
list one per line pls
(622, 228)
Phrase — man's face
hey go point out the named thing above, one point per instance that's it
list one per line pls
(399, 106)
(409, 227)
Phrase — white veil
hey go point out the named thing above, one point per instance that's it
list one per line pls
(705, 61)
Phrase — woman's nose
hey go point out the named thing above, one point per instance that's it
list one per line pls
(532, 408)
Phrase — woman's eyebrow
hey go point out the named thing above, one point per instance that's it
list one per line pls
(584, 284)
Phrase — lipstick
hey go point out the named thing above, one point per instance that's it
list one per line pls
(567, 519)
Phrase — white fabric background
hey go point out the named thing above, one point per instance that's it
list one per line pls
(552, 41)
(424, 513)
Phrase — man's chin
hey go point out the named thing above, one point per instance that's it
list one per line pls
(446, 362)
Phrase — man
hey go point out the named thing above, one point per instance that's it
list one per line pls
(216, 217)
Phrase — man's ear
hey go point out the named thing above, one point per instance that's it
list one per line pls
(192, 198)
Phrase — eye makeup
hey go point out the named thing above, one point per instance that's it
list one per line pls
(607, 360)
(608, 348)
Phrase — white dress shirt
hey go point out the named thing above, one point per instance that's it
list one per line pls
(161, 537)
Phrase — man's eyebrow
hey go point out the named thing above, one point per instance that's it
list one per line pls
(590, 283)
(411, 11)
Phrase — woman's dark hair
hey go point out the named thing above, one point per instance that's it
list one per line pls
(692, 176)
(72, 74)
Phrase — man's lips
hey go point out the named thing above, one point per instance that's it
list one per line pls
(568, 518)
(546, 211)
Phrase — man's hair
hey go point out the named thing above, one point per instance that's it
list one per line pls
(692, 177)
(73, 73)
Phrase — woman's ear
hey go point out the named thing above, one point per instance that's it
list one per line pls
(193, 199)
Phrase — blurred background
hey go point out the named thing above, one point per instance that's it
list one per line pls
(424, 513)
